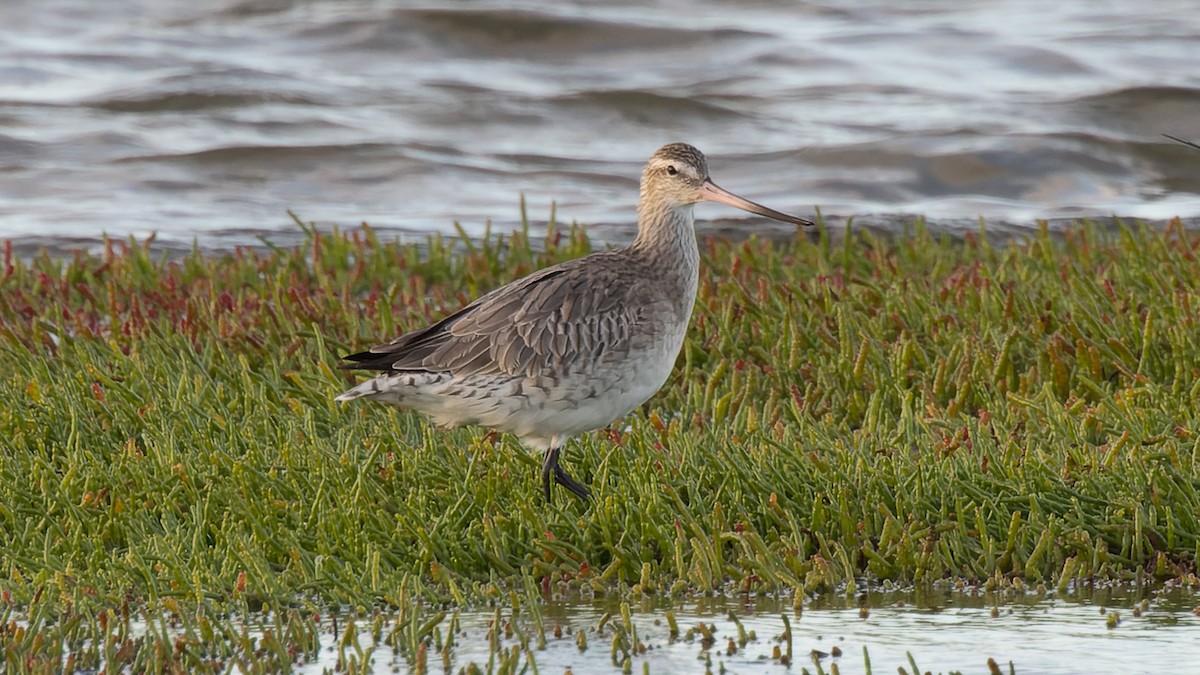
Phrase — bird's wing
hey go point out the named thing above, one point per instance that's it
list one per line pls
(569, 315)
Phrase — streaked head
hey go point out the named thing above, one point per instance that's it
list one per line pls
(677, 175)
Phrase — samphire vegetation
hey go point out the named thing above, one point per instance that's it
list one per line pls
(912, 409)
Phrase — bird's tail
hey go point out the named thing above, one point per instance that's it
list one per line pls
(368, 389)
(401, 388)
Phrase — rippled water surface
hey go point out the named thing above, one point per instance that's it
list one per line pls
(211, 119)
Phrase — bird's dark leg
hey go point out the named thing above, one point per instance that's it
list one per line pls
(550, 467)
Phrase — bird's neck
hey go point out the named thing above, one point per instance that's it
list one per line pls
(666, 231)
(666, 243)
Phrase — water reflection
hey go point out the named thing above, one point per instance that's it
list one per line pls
(1094, 630)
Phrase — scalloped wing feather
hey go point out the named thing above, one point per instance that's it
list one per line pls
(564, 317)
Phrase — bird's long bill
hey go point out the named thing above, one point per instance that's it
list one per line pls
(711, 192)
(1180, 140)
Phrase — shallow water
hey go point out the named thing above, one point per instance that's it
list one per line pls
(1123, 629)
(941, 631)
(211, 119)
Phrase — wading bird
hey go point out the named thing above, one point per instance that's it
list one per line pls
(572, 347)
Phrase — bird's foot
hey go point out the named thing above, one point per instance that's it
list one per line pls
(564, 479)
(550, 468)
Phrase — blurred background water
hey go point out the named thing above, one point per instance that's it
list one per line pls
(210, 119)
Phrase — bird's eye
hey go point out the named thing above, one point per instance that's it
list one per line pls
(671, 170)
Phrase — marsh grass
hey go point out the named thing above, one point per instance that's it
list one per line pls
(913, 409)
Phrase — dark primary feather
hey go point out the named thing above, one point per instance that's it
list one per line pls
(567, 316)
